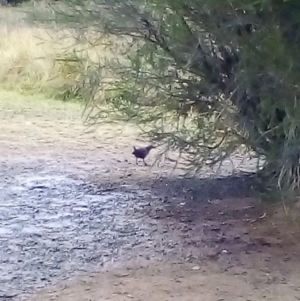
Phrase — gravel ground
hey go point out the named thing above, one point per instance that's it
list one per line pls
(54, 226)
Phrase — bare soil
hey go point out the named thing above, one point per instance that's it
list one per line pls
(81, 221)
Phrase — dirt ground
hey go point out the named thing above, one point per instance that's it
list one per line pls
(201, 239)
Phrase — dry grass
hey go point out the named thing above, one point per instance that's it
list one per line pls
(39, 59)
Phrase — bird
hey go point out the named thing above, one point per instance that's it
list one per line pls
(142, 153)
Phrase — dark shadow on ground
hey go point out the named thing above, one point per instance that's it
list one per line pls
(212, 212)
(209, 188)
(190, 199)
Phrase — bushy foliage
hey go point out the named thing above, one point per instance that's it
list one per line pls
(202, 76)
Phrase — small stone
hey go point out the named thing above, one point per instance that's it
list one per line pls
(196, 268)
(215, 229)
(121, 275)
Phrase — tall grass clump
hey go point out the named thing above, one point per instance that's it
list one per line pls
(42, 59)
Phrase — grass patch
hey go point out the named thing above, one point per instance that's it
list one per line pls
(16, 103)
(39, 59)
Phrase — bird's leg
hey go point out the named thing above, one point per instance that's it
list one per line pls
(136, 161)
(145, 162)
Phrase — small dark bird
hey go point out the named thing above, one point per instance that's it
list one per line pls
(142, 153)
